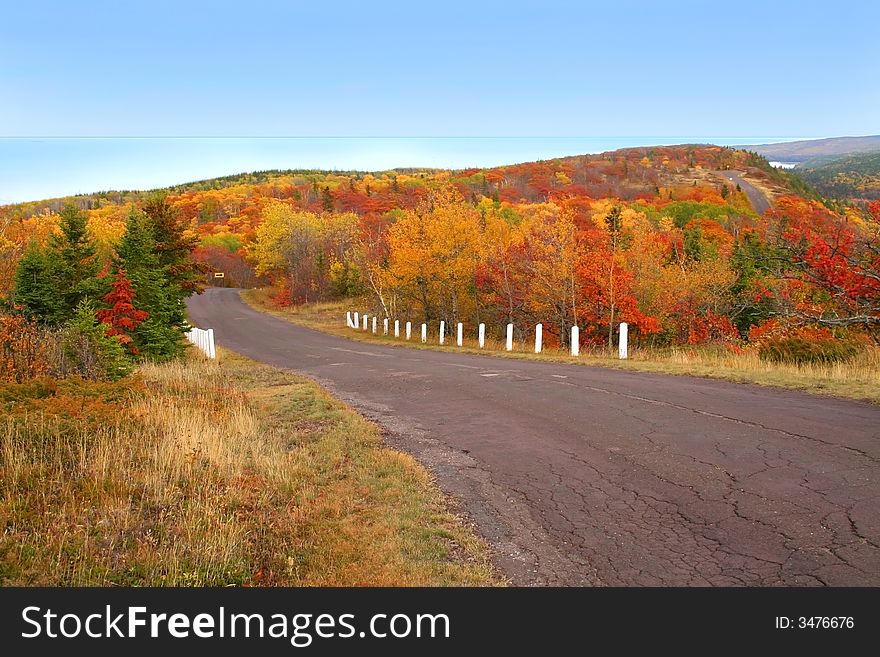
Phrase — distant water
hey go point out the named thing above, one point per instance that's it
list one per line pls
(39, 168)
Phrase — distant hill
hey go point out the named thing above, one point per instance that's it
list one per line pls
(801, 151)
(628, 174)
(850, 177)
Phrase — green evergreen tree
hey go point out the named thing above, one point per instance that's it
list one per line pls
(327, 199)
(693, 244)
(160, 337)
(72, 260)
(88, 350)
(174, 246)
(752, 260)
(36, 289)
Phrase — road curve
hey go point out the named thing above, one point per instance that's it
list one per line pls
(590, 476)
(757, 198)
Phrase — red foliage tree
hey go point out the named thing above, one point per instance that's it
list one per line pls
(834, 254)
(122, 317)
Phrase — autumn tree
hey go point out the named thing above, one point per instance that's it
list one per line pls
(833, 261)
(433, 255)
(120, 315)
(550, 253)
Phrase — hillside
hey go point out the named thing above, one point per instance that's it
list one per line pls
(851, 177)
(677, 241)
(801, 151)
(627, 173)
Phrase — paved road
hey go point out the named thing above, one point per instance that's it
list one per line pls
(758, 199)
(589, 476)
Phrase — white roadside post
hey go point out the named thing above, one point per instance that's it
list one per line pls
(374, 325)
(442, 331)
(365, 321)
(408, 330)
(212, 352)
(385, 326)
(482, 335)
(357, 320)
(348, 318)
(509, 337)
(539, 337)
(424, 332)
(622, 346)
(575, 341)
(396, 328)
(460, 337)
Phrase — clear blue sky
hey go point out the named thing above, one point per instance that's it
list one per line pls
(439, 68)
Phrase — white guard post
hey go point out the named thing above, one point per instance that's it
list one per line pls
(539, 337)
(482, 335)
(622, 350)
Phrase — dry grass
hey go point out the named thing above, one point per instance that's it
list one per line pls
(215, 473)
(856, 379)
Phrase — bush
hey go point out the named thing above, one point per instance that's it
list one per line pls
(89, 351)
(801, 349)
(27, 350)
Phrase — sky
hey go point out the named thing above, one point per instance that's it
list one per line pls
(618, 73)
(288, 68)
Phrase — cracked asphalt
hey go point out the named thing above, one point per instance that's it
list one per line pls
(589, 476)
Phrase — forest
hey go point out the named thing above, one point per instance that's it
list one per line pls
(648, 236)
(850, 177)
(79, 300)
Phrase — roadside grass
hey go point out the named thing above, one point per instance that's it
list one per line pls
(855, 379)
(215, 473)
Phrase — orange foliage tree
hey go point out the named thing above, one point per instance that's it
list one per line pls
(121, 316)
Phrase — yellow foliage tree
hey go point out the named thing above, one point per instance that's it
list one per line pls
(433, 256)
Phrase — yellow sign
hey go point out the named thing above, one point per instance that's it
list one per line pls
(219, 274)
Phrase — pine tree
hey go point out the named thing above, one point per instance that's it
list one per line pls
(121, 315)
(174, 246)
(72, 260)
(36, 290)
(327, 199)
(160, 336)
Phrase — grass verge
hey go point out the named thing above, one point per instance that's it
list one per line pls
(856, 379)
(202, 473)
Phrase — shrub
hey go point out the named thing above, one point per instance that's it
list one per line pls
(26, 350)
(808, 347)
(89, 351)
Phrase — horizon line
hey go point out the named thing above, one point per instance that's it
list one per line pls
(413, 136)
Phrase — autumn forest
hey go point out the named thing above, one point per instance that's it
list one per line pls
(655, 237)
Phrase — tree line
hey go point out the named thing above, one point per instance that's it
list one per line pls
(75, 308)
